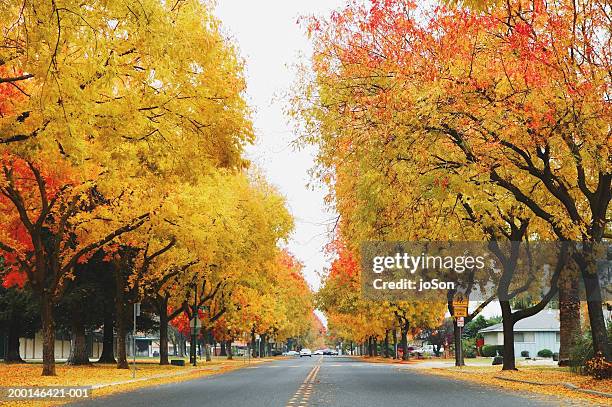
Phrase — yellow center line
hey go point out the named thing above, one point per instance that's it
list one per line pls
(304, 391)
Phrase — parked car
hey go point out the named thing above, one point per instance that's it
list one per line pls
(292, 353)
(333, 352)
(305, 352)
(318, 352)
(415, 351)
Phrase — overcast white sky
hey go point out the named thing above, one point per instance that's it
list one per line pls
(271, 42)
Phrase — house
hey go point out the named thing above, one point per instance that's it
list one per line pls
(31, 347)
(540, 331)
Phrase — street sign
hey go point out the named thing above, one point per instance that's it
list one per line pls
(195, 323)
(460, 301)
(460, 322)
(460, 311)
(137, 309)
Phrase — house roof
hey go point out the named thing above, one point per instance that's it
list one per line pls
(544, 321)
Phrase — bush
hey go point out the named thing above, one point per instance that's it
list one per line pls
(525, 353)
(545, 353)
(469, 348)
(580, 353)
(598, 367)
(492, 350)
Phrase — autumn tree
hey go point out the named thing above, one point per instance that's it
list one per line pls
(121, 114)
(469, 106)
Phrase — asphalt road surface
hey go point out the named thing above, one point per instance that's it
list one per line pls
(321, 381)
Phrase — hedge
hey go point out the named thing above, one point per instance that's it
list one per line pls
(545, 353)
(492, 350)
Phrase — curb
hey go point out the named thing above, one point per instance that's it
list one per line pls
(160, 376)
(564, 384)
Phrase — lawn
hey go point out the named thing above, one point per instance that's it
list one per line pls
(545, 379)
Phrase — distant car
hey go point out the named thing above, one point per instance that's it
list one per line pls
(318, 352)
(327, 351)
(333, 352)
(276, 353)
(416, 351)
(292, 353)
(305, 352)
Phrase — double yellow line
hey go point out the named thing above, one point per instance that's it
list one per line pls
(302, 395)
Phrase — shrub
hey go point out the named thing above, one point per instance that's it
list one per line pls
(469, 348)
(492, 350)
(598, 367)
(545, 353)
(580, 353)
(525, 353)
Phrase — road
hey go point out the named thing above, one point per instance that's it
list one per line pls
(320, 381)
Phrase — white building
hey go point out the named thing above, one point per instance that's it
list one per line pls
(540, 331)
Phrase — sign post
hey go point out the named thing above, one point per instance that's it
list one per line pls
(460, 308)
(193, 324)
(136, 314)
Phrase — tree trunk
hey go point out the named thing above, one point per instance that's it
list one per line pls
(207, 351)
(182, 345)
(386, 344)
(596, 316)
(120, 312)
(404, 340)
(569, 317)
(78, 344)
(394, 343)
(253, 343)
(48, 333)
(230, 355)
(375, 346)
(174, 345)
(108, 340)
(223, 351)
(598, 329)
(163, 333)
(508, 325)
(262, 345)
(12, 351)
